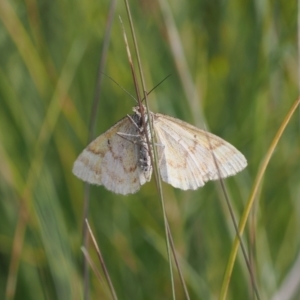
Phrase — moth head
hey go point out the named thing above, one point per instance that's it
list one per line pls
(137, 110)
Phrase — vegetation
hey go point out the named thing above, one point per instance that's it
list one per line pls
(234, 69)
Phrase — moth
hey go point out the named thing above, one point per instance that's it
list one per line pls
(119, 159)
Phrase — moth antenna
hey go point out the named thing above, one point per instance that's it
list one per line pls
(119, 86)
(148, 93)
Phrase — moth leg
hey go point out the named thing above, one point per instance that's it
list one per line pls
(133, 122)
(127, 135)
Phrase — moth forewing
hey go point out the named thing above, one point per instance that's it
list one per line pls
(112, 160)
(186, 160)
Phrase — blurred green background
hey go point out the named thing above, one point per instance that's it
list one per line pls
(233, 67)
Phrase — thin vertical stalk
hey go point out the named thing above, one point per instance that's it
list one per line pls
(251, 199)
(105, 271)
(154, 159)
(93, 119)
